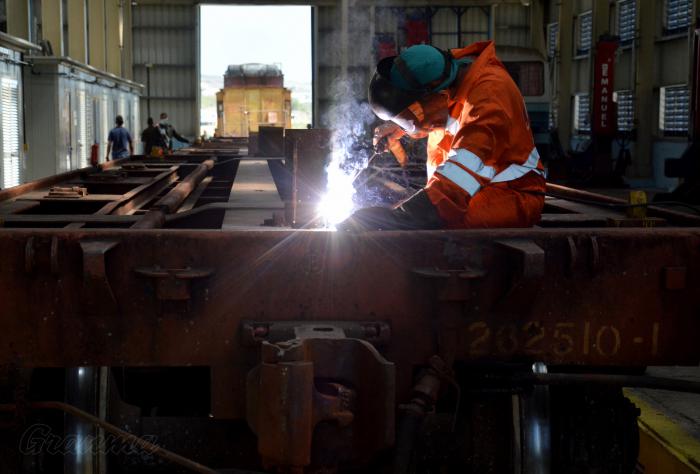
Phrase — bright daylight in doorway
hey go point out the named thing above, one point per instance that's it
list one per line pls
(273, 41)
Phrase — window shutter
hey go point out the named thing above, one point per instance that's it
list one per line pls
(627, 20)
(674, 108)
(582, 113)
(625, 110)
(10, 120)
(677, 15)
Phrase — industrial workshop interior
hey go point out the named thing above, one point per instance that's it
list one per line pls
(350, 236)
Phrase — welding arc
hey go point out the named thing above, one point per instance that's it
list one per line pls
(119, 433)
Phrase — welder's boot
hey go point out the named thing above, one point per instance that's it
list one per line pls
(415, 213)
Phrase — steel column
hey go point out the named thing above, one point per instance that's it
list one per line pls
(114, 29)
(97, 49)
(646, 122)
(77, 30)
(52, 24)
(566, 48)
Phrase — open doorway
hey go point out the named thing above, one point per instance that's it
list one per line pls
(256, 68)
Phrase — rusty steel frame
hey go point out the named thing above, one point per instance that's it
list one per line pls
(271, 313)
(604, 297)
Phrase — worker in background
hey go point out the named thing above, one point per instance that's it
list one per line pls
(483, 167)
(118, 140)
(154, 139)
(170, 131)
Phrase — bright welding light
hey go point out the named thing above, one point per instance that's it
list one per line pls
(337, 204)
(335, 207)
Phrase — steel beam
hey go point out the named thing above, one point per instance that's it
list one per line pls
(114, 40)
(646, 123)
(127, 42)
(566, 49)
(601, 19)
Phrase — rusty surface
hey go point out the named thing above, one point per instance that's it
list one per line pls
(49, 181)
(355, 400)
(604, 298)
(315, 337)
(169, 203)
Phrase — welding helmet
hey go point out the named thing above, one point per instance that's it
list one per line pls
(399, 81)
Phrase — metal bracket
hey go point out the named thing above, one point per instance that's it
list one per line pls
(530, 257)
(97, 291)
(451, 284)
(301, 383)
(30, 258)
(529, 268)
(173, 284)
(253, 333)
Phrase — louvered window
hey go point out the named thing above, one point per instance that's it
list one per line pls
(83, 147)
(677, 16)
(584, 33)
(674, 110)
(10, 134)
(89, 128)
(625, 110)
(627, 20)
(582, 113)
(552, 39)
(553, 116)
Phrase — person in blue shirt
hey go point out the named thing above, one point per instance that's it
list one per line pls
(118, 140)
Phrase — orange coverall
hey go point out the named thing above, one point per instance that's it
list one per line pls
(483, 167)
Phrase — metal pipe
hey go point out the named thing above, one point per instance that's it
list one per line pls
(118, 432)
(155, 217)
(536, 427)
(81, 390)
(635, 381)
(571, 193)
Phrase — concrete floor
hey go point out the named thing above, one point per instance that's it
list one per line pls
(682, 408)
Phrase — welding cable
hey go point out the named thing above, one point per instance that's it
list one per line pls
(123, 435)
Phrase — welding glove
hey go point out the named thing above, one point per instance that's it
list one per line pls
(415, 213)
(387, 137)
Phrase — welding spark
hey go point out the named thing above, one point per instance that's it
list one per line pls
(351, 119)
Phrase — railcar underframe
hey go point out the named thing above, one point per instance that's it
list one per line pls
(308, 350)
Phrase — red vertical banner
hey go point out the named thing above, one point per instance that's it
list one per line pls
(603, 119)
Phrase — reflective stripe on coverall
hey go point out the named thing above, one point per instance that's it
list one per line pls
(483, 168)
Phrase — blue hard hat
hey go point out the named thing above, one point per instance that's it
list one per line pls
(401, 80)
(419, 66)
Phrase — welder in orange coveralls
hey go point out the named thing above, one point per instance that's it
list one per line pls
(483, 167)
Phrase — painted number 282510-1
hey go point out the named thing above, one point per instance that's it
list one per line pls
(560, 338)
